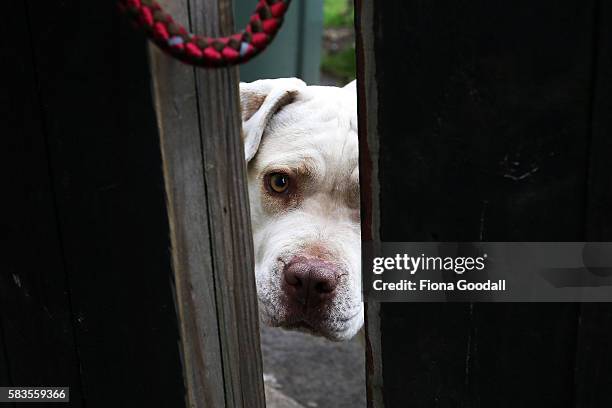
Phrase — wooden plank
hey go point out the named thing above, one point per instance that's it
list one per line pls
(599, 227)
(104, 155)
(206, 182)
(478, 91)
(5, 378)
(232, 245)
(176, 104)
(593, 376)
(483, 130)
(5, 375)
(526, 347)
(36, 331)
(367, 105)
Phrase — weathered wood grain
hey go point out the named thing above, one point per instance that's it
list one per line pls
(199, 121)
(368, 174)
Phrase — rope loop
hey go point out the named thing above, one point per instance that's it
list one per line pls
(193, 49)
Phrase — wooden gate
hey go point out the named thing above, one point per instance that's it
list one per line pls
(480, 121)
(487, 121)
(122, 278)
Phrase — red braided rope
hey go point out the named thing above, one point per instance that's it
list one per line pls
(198, 50)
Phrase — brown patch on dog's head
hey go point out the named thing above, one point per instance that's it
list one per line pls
(251, 103)
(259, 101)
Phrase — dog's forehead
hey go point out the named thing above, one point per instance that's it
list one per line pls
(320, 124)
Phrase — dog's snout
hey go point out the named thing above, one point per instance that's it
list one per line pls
(310, 281)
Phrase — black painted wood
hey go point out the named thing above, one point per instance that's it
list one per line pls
(88, 224)
(488, 129)
(599, 227)
(484, 115)
(5, 377)
(37, 336)
(593, 376)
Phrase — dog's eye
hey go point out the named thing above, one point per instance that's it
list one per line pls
(279, 182)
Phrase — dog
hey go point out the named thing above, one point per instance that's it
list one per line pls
(301, 149)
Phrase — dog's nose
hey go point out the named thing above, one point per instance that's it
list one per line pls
(310, 281)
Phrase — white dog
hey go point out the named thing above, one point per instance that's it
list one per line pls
(302, 153)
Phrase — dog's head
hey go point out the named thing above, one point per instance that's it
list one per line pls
(302, 153)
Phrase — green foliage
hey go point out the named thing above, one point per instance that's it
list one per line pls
(341, 64)
(337, 13)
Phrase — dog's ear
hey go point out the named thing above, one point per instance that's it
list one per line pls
(260, 100)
